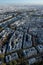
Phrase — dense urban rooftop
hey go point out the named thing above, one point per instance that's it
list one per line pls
(21, 37)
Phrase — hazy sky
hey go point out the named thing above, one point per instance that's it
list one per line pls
(21, 2)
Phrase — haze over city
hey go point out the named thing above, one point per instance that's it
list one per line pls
(29, 2)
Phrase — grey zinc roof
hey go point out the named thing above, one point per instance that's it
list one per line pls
(27, 43)
(40, 48)
(30, 52)
(32, 61)
(40, 35)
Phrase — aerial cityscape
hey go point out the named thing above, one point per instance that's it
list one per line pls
(21, 35)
